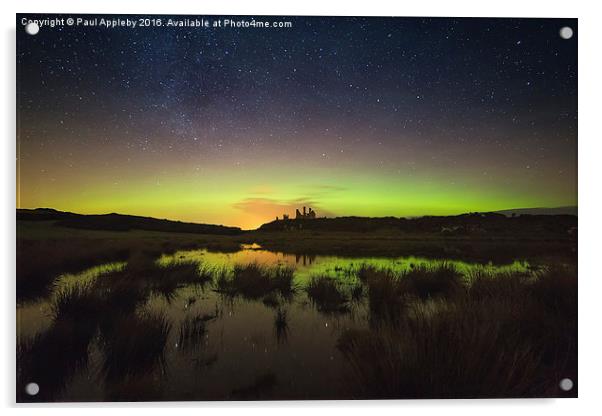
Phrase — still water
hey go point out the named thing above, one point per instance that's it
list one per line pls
(241, 348)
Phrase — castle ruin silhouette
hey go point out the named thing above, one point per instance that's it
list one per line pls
(308, 213)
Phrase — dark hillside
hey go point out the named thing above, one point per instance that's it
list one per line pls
(118, 222)
(474, 224)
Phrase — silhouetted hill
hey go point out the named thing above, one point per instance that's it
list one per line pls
(119, 222)
(570, 210)
(474, 224)
(483, 224)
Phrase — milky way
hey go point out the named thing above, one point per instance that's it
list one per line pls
(352, 116)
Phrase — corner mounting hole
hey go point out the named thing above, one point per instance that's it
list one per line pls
(32, 389)
(566, 384)
(32, 28)
(566, 32)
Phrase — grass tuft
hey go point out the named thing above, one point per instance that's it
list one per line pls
(441, 280)
(327, 294)
(254, 281)
(135, 346)
(192, 331)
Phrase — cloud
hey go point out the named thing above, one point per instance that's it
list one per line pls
(260, 206)
(269, 208)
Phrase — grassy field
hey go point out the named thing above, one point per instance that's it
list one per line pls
(45, 250)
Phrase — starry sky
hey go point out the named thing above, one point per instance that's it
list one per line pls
(351, 116)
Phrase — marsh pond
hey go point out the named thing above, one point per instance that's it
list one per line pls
(259, 324)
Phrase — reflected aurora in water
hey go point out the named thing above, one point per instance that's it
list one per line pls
(342, 268)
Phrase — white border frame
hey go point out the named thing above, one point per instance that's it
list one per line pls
(590, 197)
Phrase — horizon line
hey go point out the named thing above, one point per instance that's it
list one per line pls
(340, 216)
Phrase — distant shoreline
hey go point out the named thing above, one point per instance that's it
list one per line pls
(519, 222)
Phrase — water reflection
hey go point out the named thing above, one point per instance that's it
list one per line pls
(306, 260)
(208, 325)
(281, 326)
(344, 268)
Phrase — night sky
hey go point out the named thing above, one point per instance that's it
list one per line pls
(351, 116)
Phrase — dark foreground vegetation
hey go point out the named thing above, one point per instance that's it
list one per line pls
(108, 311)
(254, 281)
(431, 332)
(434, 335)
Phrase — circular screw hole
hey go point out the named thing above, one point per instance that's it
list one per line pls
(32, 28)
(566, 32)
(32, 389)
(566, 384)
